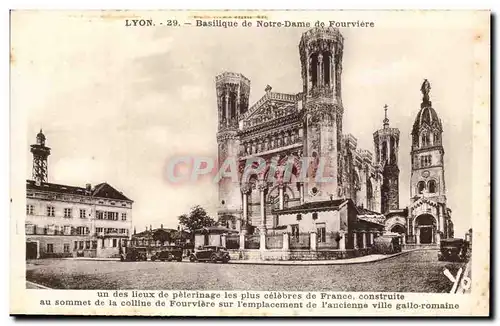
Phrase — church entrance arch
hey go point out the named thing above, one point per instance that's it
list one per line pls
(398, 228)
(425, 226)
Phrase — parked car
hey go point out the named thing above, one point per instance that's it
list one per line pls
(387, 244)
(453, 249)
(210, 253)
(168, 254)
(134, 254)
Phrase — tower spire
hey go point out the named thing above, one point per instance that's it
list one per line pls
(386, 119)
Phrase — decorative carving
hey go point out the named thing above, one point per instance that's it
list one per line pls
(246, 188)
(262, 185)
(425, 89)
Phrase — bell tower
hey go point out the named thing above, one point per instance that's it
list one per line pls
(427, 152)
(321, 61)
(386, 141)
(233, 92)
(40, 172)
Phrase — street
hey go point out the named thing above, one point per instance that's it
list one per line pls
(417, 271)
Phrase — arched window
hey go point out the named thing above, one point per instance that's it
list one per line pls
(437, 139)
(369, 194)
(384, 152)
(425, 139)
(223, 107)
(393, 150)
(232, 105)
(421, 187)
(326, 67)
(314, 69)
(431, 185)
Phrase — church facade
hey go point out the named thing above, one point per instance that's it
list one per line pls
(361, 198)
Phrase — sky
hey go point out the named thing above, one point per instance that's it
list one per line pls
(116, 103)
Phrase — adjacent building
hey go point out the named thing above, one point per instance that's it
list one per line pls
(69, 221)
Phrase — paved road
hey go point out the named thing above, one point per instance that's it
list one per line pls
(417, 271)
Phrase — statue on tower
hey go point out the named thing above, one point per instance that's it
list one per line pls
(425, 89)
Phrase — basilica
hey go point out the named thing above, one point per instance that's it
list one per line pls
(362, 199)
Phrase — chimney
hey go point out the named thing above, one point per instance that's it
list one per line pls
(268, 88)
(150, 227)
(162, 226)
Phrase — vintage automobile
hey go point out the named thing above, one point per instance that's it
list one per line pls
(453, 249)
(387, 244)
(134, 254)
(210, 253)
(168, 254)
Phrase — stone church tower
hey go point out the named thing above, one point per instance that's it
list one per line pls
(429, 217)
(233, 92)
(386, 142)
(427, 152)
(321, 61)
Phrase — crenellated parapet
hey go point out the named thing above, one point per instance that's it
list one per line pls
(321, 57)
(233, 93)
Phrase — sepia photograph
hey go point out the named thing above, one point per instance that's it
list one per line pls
(265, 157)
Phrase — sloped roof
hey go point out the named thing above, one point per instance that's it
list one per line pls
(426, 116)
(53, 187)
(102, 190)
(364, 211)
(313, 206)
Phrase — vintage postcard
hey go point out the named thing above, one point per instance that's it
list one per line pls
(250, 163)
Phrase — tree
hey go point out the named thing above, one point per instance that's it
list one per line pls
(196, 219)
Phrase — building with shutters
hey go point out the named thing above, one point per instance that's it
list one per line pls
(69, 221)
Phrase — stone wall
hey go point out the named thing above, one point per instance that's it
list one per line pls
(280, 255)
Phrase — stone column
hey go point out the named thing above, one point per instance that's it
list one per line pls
(441, 219)
(286, 241)
(388, 149)
(371, 238)
(262, 240)
(223, 238)
(363, 239)
(320, 77)
(301, 191)
(38, 249)
(417, 235)
(226, 100)
(245, 190)
(313, 241)
(242, 241)
(343, 240)
(281, 196)
(262, 189)
(355, 240)
(438, 238)
(403, 238)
